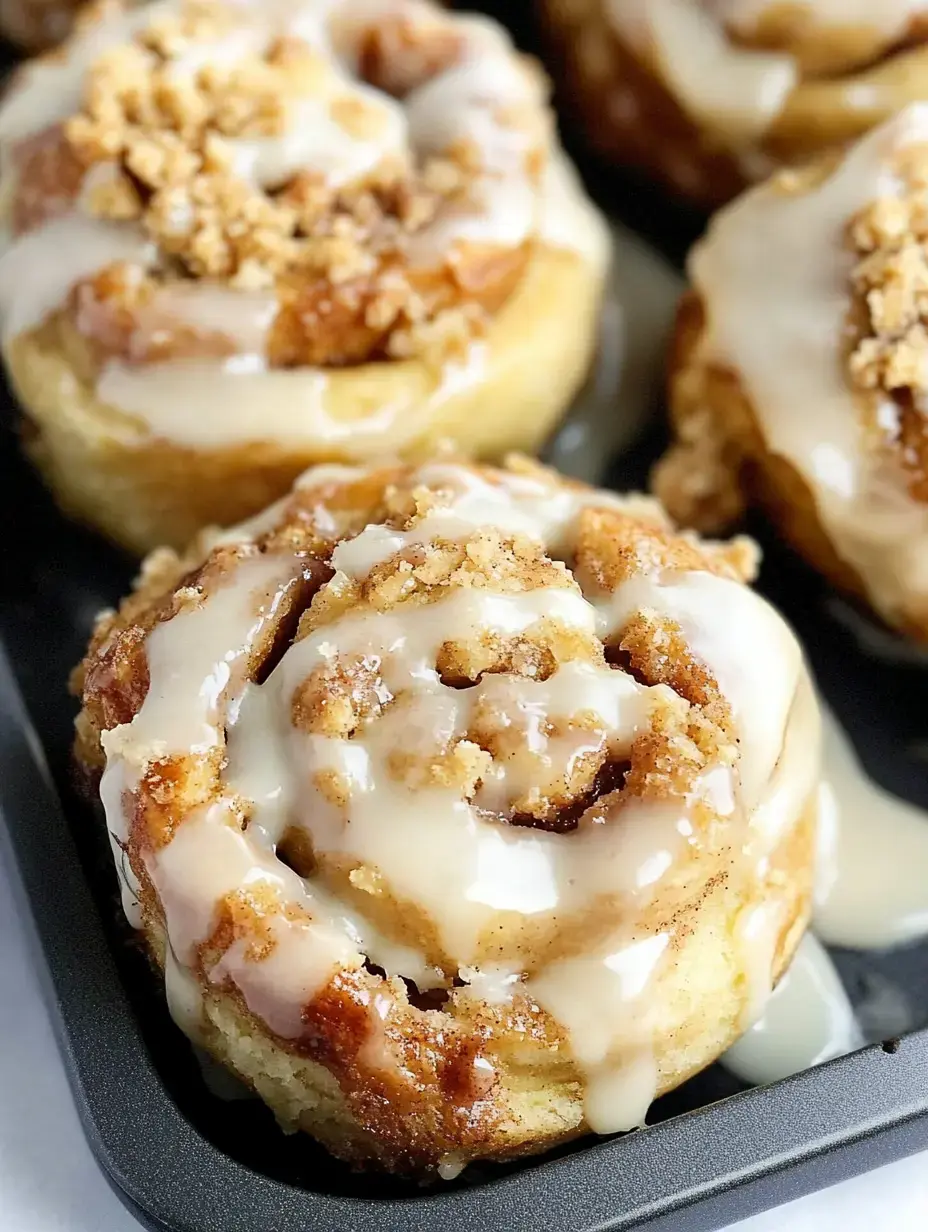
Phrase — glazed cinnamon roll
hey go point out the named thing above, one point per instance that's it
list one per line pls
(712, 94)
(799, 374)
(465, 810)
(245, 237)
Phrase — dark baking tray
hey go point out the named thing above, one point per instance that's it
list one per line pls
(184, 1160)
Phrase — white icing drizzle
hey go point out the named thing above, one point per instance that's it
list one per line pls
(195, 664)
(215, 402)
(756, 931)
(733, 90)
(451, 1167)
(873, 884)
(206, 403)
(184, 695)
(209, 858)
(737, 91)
(807, 1020)
(521, 506)
(888, 17)
(798, 389)
(40, 267)
(241, 317)
(466, 103)
(727, 645)
(314, 138)
(502, 886)
(590, 996)
(112, 786)
(48, 90)
(871, 894)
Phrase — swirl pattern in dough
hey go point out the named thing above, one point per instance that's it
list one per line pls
(244, 237)
(710, 95)
(799, 375)
(465, 809)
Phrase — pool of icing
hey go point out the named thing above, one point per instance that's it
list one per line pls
(870, 683)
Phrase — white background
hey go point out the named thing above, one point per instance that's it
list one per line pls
(49, 1181)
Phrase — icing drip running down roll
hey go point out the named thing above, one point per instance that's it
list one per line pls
(799, 373)
(466, 809)
(871, 891)
(712, 94)
(244, 237)
(807, 1021)
(870, 894)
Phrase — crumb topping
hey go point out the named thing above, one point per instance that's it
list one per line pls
(698, 478)
(889, 356)
(457, 683)
(171, 134)
(350, 692)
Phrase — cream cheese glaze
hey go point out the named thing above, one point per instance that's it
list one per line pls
(873, 890)
(889, 17)
(795, 287)
(273, 777)
(213, 403)
(733, 90)
(807, 1020)
(871, 895)
(210, 403)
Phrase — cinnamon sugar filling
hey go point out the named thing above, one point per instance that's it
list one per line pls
(889, 359)
(398, 759)
(368, 182)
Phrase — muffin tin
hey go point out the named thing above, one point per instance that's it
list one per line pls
(185, 1159)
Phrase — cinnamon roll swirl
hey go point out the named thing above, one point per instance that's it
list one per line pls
(799, 374)
(246, 237)
(710, 95)
(466, 810)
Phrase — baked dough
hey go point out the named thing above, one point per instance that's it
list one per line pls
(450, 849)
(247, 237)
(798, 379)
(710, 95)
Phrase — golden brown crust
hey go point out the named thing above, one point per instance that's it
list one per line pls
(889, 346)
(721, 460)
(379, 1071)
(411, 326)
(641, 123)
(143, 491)
(336, 256)
(625, 112)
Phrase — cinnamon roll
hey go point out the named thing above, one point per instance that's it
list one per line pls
(799, 374)
(246, 237)
(465, 809)
(710, 95)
